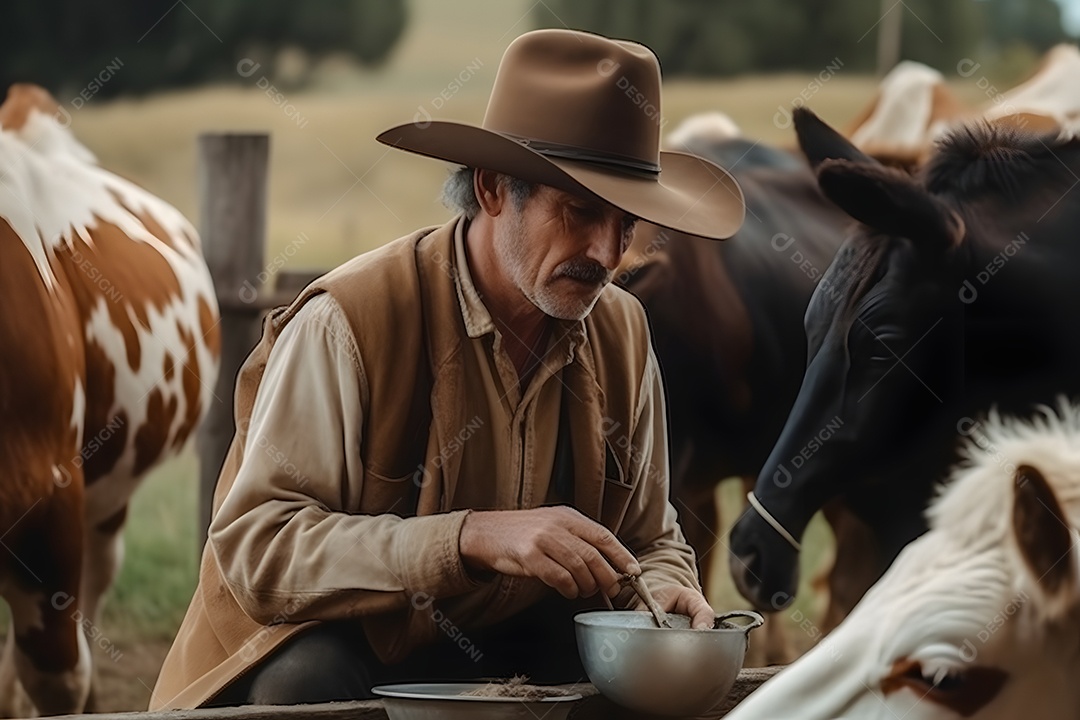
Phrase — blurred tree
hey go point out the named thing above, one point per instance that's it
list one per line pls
(723, 37)
(1036, 23)
(107, 47)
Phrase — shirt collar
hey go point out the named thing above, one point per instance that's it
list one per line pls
(478, 320)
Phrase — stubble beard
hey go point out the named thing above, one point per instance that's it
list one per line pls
(511, 249)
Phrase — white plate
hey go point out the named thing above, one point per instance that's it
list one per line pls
(444, 701)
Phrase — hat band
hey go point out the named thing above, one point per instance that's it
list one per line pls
(573, 152)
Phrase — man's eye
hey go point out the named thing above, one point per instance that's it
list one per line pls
(584, 212)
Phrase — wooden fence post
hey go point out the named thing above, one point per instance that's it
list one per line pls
(232, 181)
(889, 35)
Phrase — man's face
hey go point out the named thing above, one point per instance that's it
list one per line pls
(561, 250)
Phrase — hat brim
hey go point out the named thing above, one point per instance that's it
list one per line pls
(690, 195)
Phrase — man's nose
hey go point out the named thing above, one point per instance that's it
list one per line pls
(607, 246)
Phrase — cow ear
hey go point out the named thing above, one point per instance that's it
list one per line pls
(890, 202)
(819, 142)
(1044, 540)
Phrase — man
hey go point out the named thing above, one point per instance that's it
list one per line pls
(447, 443)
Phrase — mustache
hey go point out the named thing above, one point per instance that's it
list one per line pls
(585, 271)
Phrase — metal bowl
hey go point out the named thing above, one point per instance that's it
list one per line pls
(445, 701)
(664, 671)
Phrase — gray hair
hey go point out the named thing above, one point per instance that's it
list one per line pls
(459, 196)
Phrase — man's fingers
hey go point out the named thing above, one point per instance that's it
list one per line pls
(684, 601)
(554, 575)
(602, 571)
(569, 556)
(605, 541)
(697, 608)
(589, 568)
(702, 616)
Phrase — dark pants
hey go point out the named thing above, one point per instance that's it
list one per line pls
(333, 661)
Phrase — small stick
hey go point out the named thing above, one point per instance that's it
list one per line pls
(642, 590)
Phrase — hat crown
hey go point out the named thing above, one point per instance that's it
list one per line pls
(580, 95)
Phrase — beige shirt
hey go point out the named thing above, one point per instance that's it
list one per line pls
(509, 466)
(304, 443)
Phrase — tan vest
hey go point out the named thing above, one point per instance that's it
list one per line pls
(402, 306)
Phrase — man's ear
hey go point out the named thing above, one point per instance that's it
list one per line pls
(490, 191)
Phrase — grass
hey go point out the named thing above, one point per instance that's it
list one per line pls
(161, 565)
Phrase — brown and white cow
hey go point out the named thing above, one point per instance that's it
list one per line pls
(109, 350)
(912, 108)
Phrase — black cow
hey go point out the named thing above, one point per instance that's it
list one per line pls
(959, 291)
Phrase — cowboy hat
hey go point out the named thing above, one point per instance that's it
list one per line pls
(581, 112)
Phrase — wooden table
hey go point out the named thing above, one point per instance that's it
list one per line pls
(593, 707)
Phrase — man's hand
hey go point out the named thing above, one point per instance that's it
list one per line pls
(557, 545)
(682, 600)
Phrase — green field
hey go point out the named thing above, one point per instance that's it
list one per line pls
(332, 183)
(161, 566)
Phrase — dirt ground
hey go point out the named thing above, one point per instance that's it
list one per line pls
(125, 683)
